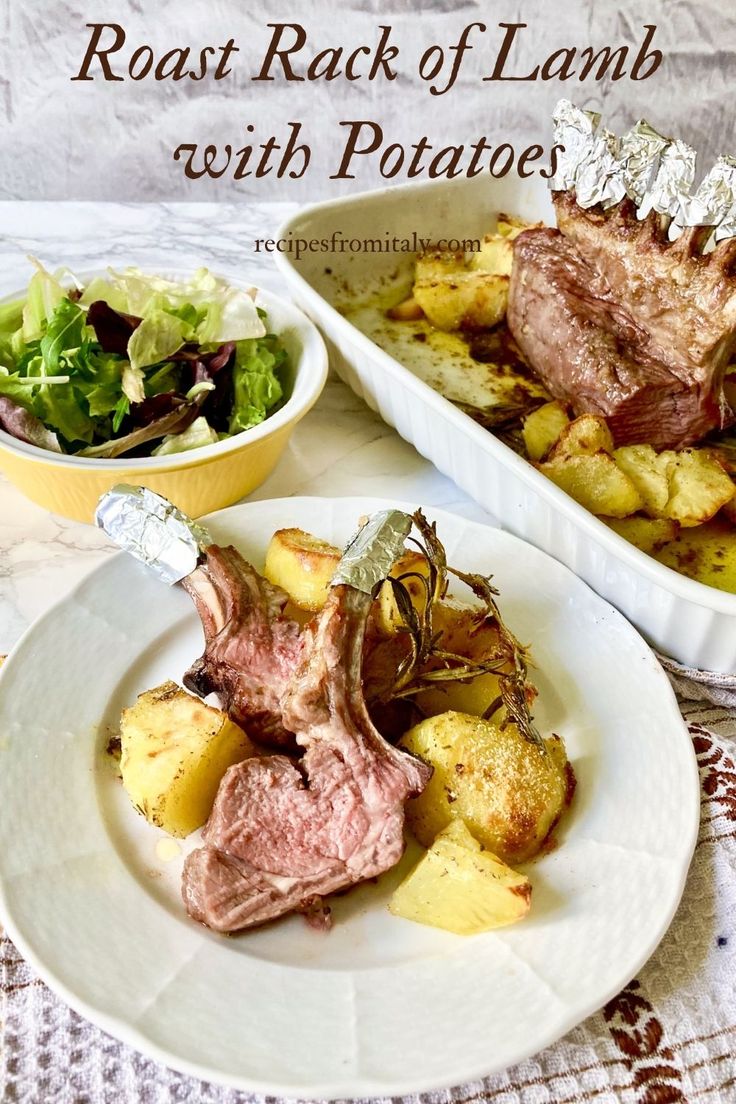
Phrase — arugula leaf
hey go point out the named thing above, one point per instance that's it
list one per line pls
(121, 409)
(64, 331)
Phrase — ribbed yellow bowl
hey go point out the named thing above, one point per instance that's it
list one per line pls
(200, 480)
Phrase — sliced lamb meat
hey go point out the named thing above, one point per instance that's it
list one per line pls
(281, 831)
(251, 649)
(618, 321)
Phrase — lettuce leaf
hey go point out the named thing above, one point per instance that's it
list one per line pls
(45, 293)
(213, 310)
(158, 337)
(256, 385)
(199, 433)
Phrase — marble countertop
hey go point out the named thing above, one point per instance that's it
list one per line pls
(341, 448)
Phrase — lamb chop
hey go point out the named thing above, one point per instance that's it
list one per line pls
(282, 832)
(251, 649)
(619, 321)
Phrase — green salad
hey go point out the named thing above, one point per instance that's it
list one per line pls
(133, 364)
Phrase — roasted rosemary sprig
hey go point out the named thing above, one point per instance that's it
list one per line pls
(508, 661)
(502, 415)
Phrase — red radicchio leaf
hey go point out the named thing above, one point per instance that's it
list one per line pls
(112, 328)
(217, 367)
(220, 359)
(154, 407)
(24, 426)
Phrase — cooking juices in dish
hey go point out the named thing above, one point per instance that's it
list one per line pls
(135, 365)
(389, 695)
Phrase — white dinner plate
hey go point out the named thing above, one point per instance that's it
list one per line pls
(379, 1005)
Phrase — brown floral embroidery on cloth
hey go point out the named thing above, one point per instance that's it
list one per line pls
(717, 770)
(639, 1036)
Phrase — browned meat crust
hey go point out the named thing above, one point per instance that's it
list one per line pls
(618, 321)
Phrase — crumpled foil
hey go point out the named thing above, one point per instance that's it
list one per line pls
(670, 190)
(714, 203)
(372, 552)
(656, 172)
(153, 530)
(599, 177)
(573, 129)
(640, 149)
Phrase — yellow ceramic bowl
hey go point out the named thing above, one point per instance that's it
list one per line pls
(200, 480)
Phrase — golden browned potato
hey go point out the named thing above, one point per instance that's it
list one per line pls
(649, 534)
(438, 264)
(474, 696)
(688, 487)
(584, 436)
(174, 752)
(302, 565)
(408, 310)
(542, 429)
(496, 254)
(596, 482)
(698, 487)
(509, 791)
(704, 552)
(386, 612)
(463, 300)
(649, 472)
(459, 887)
(460, 633)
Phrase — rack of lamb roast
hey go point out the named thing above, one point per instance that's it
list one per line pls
(616, 314)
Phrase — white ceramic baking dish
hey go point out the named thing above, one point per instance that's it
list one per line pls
(693, 623)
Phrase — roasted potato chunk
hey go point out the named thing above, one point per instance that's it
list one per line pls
(438, 264)
(462, 634)
(174, 752)
(649, 472)
(386, 612)
(585, 436)
(467, 291)
(408, 310)
(698, 487)
(496, 255)
(596, 482)
(542, 428)
(704, 552)
(302, 565)
(509, 792)
(463, 300)
(461, 888)
(649, 534)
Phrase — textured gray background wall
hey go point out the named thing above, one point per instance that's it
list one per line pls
(98, 140)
